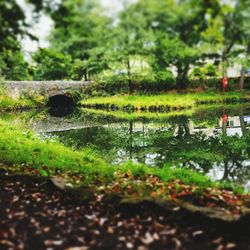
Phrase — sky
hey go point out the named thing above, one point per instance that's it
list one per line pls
(45, 25)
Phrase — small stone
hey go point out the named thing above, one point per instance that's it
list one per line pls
(58, 182)
(230, 245)
(110, 230)
(197, 233)
(129, 245)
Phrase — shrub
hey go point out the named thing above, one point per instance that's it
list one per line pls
(150, 83)
(164, 80)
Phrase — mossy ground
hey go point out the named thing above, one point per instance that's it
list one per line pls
(169, 101)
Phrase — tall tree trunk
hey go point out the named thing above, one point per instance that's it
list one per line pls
(227, 49)
(182, 77)
(130, 140)
(242, 123)
(226, 171)
(242, 77)
(224, 66)
(129, 76)
(186, 126)
(224, 127)
(243, 70)
(85, 76)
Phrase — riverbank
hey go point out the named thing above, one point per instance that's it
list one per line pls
(163, 102)
(25, 148)
(14, 103)
(207, 111)
(24, 152)
(11, 104)
(76, 195)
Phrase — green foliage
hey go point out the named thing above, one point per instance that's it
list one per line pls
(165, 80)
(150, 83)
(79, 70)
(211, 70)
(51, 65)
(17, 147)
(81, 32)
(166, 35)
(13, 26)
(202, 73)
(170, 100)
(12, 102)
(13, 66)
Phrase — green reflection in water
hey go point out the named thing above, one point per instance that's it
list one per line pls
(211, 140)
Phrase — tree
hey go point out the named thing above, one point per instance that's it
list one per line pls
(81, 31)
(130, 38)
(12, 25)
(13, 66)
(177, 27)
(243, 20)
(51, 65)
(13, 28)
(228, 35)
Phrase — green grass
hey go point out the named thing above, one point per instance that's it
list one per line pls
(8, 103)
(203, 115)
(131, 116)
(170, 100)
(25, 148)
(31, 100)
(17, 147)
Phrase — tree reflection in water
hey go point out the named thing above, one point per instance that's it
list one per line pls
(214, 143)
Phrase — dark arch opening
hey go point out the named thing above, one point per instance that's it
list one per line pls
(61, 105)
(61, 101)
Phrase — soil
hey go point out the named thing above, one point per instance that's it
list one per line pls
(35, 214)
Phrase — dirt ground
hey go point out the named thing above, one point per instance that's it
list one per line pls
(34, 214)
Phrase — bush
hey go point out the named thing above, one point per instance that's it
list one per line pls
(151, 83)
(51, 65)
(211, 70)
(214, 83)
(164, 80)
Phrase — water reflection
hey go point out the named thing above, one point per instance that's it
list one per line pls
(220, 150)
(213, 141)
(61, 112)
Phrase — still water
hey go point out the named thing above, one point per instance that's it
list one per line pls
(212, 140)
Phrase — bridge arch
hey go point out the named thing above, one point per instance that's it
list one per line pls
(61, 101)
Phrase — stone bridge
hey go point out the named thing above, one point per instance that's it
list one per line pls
(57, 93)
(46, 88)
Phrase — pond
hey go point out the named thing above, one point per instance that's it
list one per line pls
(212, 140)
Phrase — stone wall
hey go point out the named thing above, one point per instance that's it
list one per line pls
(45, 88)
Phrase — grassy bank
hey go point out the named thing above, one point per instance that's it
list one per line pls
(26, 149)
(15, 102)
(164, 102)
(132, 116)
(8, 103)
(24, 153)
(204, 115)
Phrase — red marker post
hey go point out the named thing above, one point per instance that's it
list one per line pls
(224, 84)
(224, 119)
